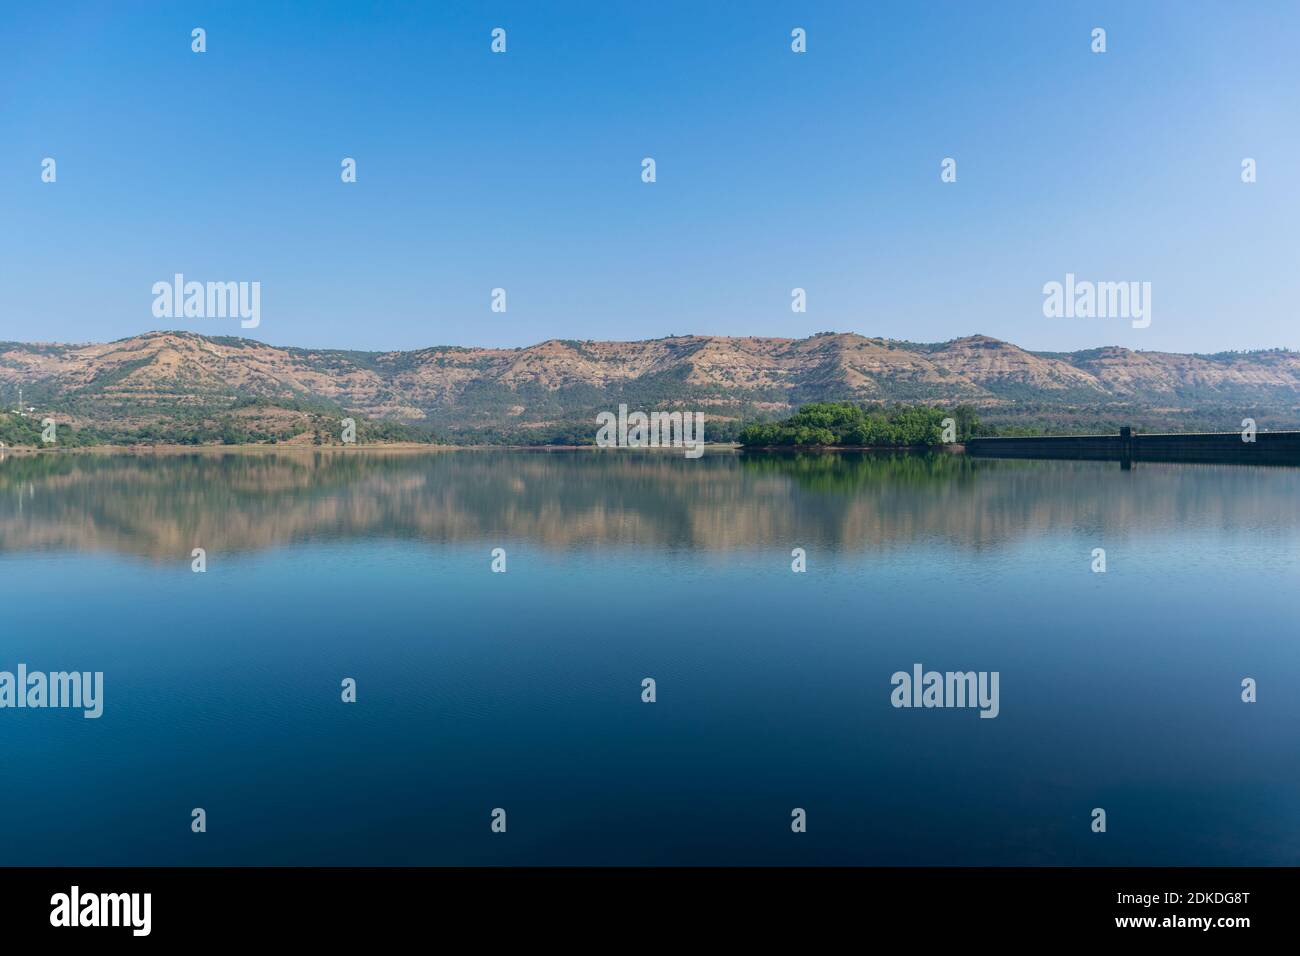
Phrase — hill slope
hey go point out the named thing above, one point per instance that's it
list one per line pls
(134, 387)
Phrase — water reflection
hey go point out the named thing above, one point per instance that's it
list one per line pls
(160, 505)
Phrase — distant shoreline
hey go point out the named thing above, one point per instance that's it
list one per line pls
(250, 446)
(348, 448)
(956, 448)
(953, 448)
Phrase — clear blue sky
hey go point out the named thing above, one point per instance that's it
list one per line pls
(775, 170)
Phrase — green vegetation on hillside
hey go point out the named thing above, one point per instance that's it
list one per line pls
(254, 421)
(847, 424)
(20, 430)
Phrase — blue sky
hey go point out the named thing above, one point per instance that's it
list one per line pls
(775, 170)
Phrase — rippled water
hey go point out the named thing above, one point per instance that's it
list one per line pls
(523, 690)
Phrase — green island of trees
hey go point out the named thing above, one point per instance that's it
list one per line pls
(846, 424)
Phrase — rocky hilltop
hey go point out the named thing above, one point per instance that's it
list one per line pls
(151, 384)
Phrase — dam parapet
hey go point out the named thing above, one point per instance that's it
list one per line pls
(1266, 448)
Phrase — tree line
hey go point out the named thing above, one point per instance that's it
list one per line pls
(849, 424)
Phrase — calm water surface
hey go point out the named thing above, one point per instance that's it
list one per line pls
(522, 690)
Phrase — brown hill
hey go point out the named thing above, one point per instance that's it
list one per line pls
(158, 376)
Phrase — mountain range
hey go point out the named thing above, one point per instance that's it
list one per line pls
(168, 385)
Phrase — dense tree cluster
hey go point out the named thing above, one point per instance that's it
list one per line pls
(847, 424)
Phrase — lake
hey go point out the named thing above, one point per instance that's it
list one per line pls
(522, 690)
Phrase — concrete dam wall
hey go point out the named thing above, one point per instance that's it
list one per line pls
(1268, 448)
